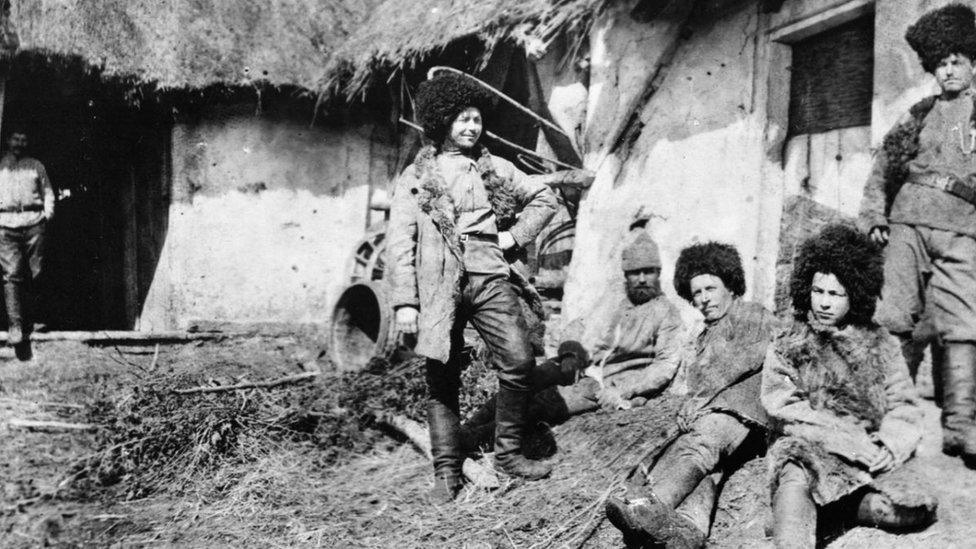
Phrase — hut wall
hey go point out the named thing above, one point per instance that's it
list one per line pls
(265, 215)
(687, 118)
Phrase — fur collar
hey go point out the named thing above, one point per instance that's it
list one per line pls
(842, 370)
(435, 199)
(901, 147)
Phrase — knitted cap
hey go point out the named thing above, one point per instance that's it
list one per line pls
(943, 32)
(641, 253)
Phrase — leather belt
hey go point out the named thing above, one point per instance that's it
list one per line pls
(950, 184)
(19, 209)
(465, 238)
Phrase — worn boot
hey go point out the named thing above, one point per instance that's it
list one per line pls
(511, 419)
(479, 430)
(959, 399)
(445, 448)
(880, 511)
(15, 319)
(648, 521)
(794, 512)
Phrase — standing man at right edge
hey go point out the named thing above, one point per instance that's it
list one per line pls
(921, 201)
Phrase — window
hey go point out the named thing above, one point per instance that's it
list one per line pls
(832, 79)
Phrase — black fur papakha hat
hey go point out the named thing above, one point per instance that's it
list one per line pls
(714, 258)
(442, 98)
(943, 32)
(850, 256)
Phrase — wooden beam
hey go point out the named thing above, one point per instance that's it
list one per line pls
(817, 23)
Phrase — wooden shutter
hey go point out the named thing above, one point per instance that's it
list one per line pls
(832, 79)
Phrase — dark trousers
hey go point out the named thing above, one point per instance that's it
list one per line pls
(491, 305)
(21, 254)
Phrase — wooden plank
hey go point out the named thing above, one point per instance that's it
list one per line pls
(796, 165)
(130, 251)
(129, 336)
(855, 148)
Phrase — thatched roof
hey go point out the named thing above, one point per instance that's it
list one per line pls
(324, 46)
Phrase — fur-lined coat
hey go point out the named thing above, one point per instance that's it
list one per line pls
(830, 391)
(722, 373)
(423, 254)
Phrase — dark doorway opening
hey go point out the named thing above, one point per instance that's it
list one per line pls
(107, 154)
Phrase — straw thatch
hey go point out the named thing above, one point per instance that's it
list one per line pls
(325, 46)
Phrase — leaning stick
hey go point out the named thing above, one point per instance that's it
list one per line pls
(33, 425)
(477, 474)
(250, 385)
(14, 402)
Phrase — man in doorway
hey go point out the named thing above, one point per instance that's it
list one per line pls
(921, 201)
(26, 205)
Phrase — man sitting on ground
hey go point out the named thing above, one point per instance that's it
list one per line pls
(636, 357)
(723, 375)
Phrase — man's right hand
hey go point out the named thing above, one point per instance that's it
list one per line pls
(879, 235)
(406, 320)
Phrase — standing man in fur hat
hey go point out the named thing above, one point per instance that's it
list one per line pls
(921, 201)
(840, 399)
(458, 215)
(723, 413)
(636, 357)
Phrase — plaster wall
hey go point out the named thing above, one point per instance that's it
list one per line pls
(695, 165)
(266, 214)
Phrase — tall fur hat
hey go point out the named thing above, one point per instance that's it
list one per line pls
(714, 258)
(943, 32)
(850, 256)
(442, 98)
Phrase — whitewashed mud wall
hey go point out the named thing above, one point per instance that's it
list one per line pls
(706, 155)
(265, 216)
(696, 162)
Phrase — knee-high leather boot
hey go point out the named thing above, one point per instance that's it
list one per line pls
(511, 418)
(958, 369)
(13, 295)
(794, 512)
(445, 448)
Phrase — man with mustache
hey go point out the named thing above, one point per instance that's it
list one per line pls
(636, 357)
(921, 201)
(722, 416)
(26, 205)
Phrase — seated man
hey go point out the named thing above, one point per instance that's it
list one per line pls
(636, 357)
(723, 374)
(839, 396)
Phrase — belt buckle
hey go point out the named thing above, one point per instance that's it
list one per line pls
(464, 239)
(944, 182)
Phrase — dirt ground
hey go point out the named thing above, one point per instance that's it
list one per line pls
(286, 494)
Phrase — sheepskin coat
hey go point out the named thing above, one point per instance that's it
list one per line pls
(829, 391)
(647, 338)
(424, 260)
(723, 368)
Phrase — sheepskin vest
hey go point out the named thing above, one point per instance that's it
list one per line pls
(842, 371)
(435, 199)
(901, 146)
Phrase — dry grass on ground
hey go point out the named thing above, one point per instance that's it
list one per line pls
(267, 482)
